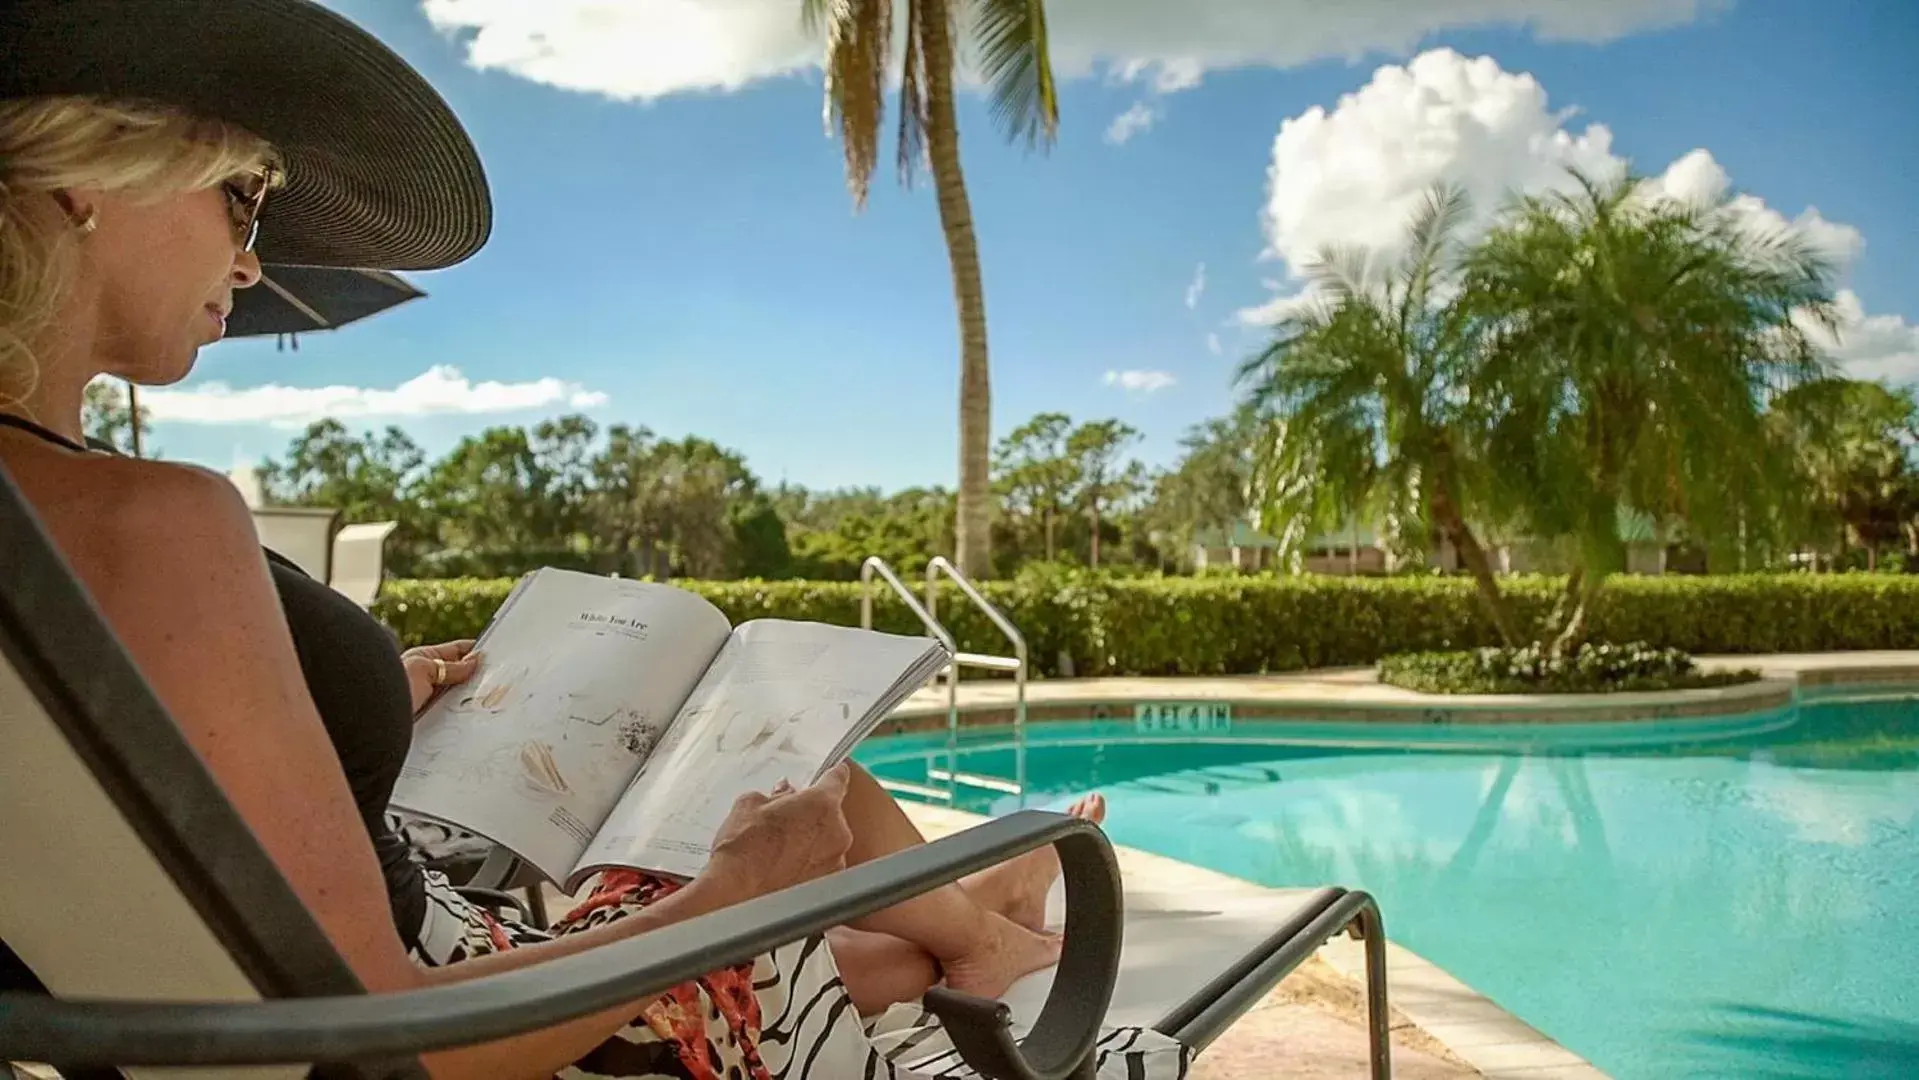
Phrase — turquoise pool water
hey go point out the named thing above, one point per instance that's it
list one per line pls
(1700, 900)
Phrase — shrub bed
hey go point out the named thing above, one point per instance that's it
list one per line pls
(1594, 669)
(1250, 625)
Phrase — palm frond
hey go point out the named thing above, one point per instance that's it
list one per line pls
(858, 45)
(1016, 62)
(911, 148)
(1341, 271)
(817, 15)
(1441, 214)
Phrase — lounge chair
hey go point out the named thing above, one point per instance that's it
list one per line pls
(226, 974)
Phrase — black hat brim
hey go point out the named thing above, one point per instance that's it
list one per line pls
(380, 173)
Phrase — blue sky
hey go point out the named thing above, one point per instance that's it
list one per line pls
(687, 259)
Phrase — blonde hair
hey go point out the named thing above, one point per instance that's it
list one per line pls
(52, 144)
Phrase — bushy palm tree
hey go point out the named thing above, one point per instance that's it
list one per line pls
(1365, 391)
(1632, 344)
(1011, 56)
(1854, 443)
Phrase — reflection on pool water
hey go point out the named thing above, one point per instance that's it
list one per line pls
(1708, 899)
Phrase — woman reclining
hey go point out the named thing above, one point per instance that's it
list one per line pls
(150, 154)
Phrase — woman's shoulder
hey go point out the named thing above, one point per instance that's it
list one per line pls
(128, 513)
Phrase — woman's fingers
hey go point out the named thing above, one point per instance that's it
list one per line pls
(447, 664)
(459, 671)
(448, 651)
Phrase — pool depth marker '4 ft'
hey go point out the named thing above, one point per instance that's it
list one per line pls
(936, 568)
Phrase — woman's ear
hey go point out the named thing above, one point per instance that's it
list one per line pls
(79, 208)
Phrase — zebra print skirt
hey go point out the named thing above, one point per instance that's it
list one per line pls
(787, 1015)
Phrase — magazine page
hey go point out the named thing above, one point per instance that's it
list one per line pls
(580, 678)
(782, 701)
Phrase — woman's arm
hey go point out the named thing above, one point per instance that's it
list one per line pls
(172, 560)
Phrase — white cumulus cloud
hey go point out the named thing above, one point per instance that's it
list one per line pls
(1140, 382)
(1130, 123)
(1869, 346)
(441, 389)
(1213, 346)
(1197, 287)
(1696, 177)
(645, 49)
(1353, 175)
(633, 49)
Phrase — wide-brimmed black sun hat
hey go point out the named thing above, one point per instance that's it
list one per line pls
(379, 172)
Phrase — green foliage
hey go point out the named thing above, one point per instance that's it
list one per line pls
(367, 478)
(1148, 625)
(1106, 480)
(1632, 346)
(1534, 669)
(1037, 479)
(1854, 443)
(1205, 491)
(105, 415)
(1367, 397)
(1602, 355)
(833, 533)
(1362, 393)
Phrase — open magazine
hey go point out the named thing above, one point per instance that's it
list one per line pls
(613, 723)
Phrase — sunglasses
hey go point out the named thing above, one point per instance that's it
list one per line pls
(246, 197)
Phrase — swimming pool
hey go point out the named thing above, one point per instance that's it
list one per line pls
(1735, 899)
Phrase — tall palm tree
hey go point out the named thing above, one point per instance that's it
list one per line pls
(1010, 52)
(1636, 342)
(1365, 390)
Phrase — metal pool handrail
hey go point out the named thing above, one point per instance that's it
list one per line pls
(937, 567)
(876, 565)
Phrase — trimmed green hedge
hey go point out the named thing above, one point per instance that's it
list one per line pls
(1246, 625)
(1533, 669)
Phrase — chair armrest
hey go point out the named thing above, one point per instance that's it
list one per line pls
(1328, 912)
(377, 1027)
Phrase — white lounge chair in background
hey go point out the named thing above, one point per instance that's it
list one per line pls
(359, 560)
(301, 534)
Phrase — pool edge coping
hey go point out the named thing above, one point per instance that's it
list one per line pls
(1346, 695)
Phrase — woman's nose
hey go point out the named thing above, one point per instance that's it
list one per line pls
(246, 270)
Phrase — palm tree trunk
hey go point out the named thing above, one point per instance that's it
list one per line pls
(1447, 514)
(973, 527)
(1581, 595)
(1566, 610)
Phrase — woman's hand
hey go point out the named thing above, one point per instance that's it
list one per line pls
(779, 840)
(432, 668)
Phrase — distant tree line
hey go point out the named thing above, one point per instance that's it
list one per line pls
(623, 500)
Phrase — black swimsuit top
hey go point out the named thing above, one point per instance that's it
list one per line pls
(353, 672)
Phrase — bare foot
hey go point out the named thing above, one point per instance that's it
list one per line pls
(1017, 889)
(1005, 953)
